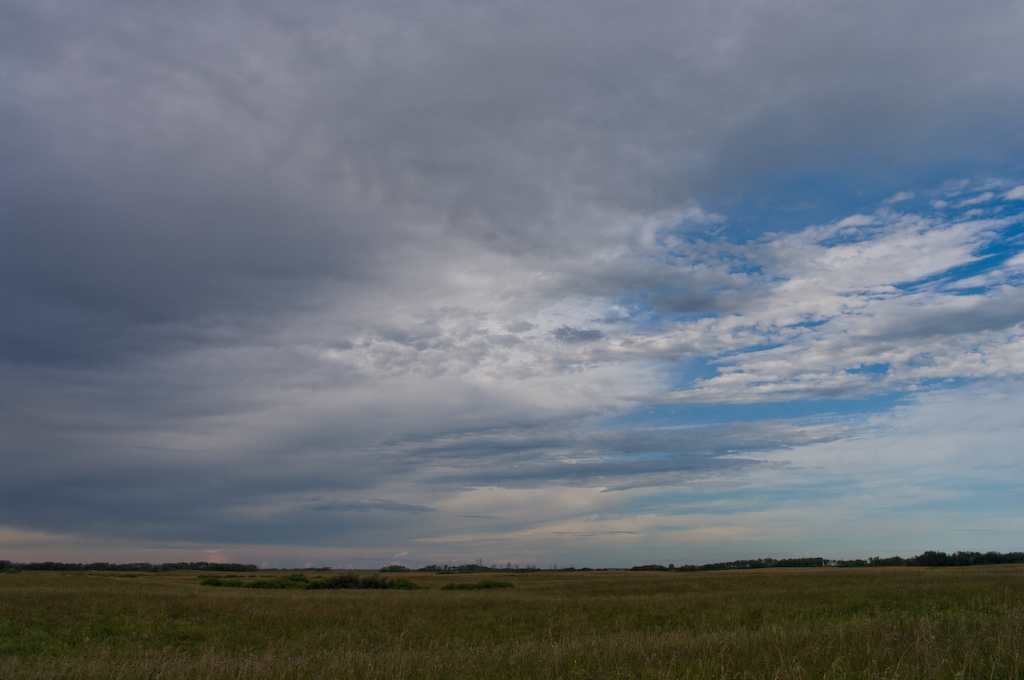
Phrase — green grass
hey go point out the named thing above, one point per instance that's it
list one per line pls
(770, 623)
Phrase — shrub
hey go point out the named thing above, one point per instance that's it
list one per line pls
(404, 584)
(375, 582)
(280, 582)
(347, 580)
(225, 581)
(479, 585)
(371, 582)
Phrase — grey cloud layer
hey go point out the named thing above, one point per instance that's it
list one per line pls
(220, 158)
(274, 265)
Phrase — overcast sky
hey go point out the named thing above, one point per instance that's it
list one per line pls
(554, 282)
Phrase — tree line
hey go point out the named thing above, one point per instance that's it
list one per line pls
(929, 558)
(6, 565)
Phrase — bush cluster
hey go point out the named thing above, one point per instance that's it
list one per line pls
(486, 584)
(299, 581)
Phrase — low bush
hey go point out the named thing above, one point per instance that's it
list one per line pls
(279, 583)
(347, 580)
(299, 581)
(479, 585)
(404, 584)
(224, 581)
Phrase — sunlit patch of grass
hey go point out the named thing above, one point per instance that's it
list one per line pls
(785, 623)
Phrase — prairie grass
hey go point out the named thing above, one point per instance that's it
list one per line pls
(768, 623)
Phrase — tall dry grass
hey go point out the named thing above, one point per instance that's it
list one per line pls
(800, 623)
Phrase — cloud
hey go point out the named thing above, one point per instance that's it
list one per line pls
(373, 504)
(567, 334)
(899, 196)
(268, 268)
(464, 393)
(838, 309)
(980, 198)
(1015, 193)
(855, 221)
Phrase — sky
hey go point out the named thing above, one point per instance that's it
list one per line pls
(571, 282)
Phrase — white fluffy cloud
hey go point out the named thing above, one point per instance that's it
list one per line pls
(819, 306)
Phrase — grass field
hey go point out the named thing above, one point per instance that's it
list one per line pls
(766, 623)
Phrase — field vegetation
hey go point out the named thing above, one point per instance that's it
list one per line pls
(882, 622)
(300, 581)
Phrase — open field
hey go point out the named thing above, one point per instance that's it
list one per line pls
(767, 623)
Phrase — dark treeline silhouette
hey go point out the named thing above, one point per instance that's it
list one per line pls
(929, 558)
(471, 568)
(762, 563)
(653, 567)
(132, 566)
